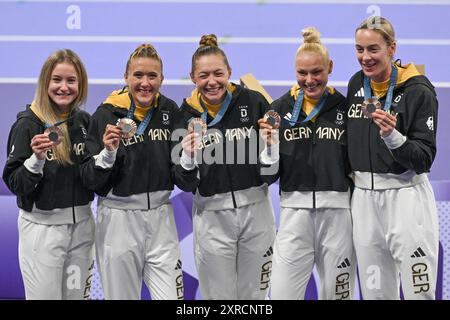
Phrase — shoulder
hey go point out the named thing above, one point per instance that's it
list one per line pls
(419, 84)
(253, 95)
(355, 82)
(167, 103)
(82, 115)
(285, 100)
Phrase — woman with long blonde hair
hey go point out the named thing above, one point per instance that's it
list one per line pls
(46, 146)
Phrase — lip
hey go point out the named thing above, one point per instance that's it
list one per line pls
(213, 91)
(368, 67)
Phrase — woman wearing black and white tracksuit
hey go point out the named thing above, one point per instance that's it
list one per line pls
(311, 148)
(132, 172)
(234, 226)
(46, 147)
(391, 149)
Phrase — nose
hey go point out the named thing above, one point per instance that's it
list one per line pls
(309, 78)
(145, 81)
(64, 86)
(366, 55)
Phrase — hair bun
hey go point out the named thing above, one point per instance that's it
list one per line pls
(208, 40)
(311, 35)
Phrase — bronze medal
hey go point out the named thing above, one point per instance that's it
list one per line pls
(273, 118)
(197, 125)
(127, 126)
(369, 106)
(54, 134)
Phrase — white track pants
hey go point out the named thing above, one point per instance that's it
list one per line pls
(136, 245)
(233, 251)
(396, 235)
(56, 261)
(308, 236)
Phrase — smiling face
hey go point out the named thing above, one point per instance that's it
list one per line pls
(211, 77)
(312, 73)
(144, 79)
(374, 54)
(63, 87)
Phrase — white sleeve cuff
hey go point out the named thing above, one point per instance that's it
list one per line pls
(186, 162)
(394, 140)
(105, 158)
(34, 165)
(274, 156)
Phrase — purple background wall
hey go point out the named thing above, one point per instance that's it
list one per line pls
(259, 37)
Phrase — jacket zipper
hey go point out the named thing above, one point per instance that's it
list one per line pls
(314, 172)
(370, 157)
(73, 194)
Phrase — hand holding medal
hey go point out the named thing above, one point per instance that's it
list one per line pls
(197, 125)
(268, 125)
(196, 130)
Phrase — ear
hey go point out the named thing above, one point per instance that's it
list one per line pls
(192, 77)
(162, 78)
(392, 48)
(125, 76)
(229, 73)
(330, 67)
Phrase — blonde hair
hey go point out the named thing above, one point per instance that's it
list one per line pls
(208, 45)
(379, 25)
(312, 44)
(144, 50)
(49, 111)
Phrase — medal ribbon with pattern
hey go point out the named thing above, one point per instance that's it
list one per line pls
(223, 108)
(143, 125)
(314, 111)
(390, 92)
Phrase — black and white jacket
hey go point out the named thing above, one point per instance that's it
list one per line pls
(229, 168)
(313, 163)
(140, 175)
(404, 158)
(47, 192)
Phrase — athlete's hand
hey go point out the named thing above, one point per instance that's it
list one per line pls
(385, 121)
(189, 143)
(267, 132)
(40, 144)
(111, 137)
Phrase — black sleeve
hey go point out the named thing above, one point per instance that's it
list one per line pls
(419, 150)
(19, 180)
(186, 180)
(94, 177)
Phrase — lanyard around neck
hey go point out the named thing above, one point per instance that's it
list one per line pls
(223, 108)
(390, 92)
(143, 125)
(298, 106)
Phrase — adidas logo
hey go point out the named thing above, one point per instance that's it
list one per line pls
(344, 264)
(288, 116)
(179, 264)
(418, 253)
(360, 93)
(268, 253)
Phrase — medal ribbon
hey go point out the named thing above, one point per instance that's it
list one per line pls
(143, 125)
(47, 125)
(390, 92)
(223, 108)
(298, 107)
